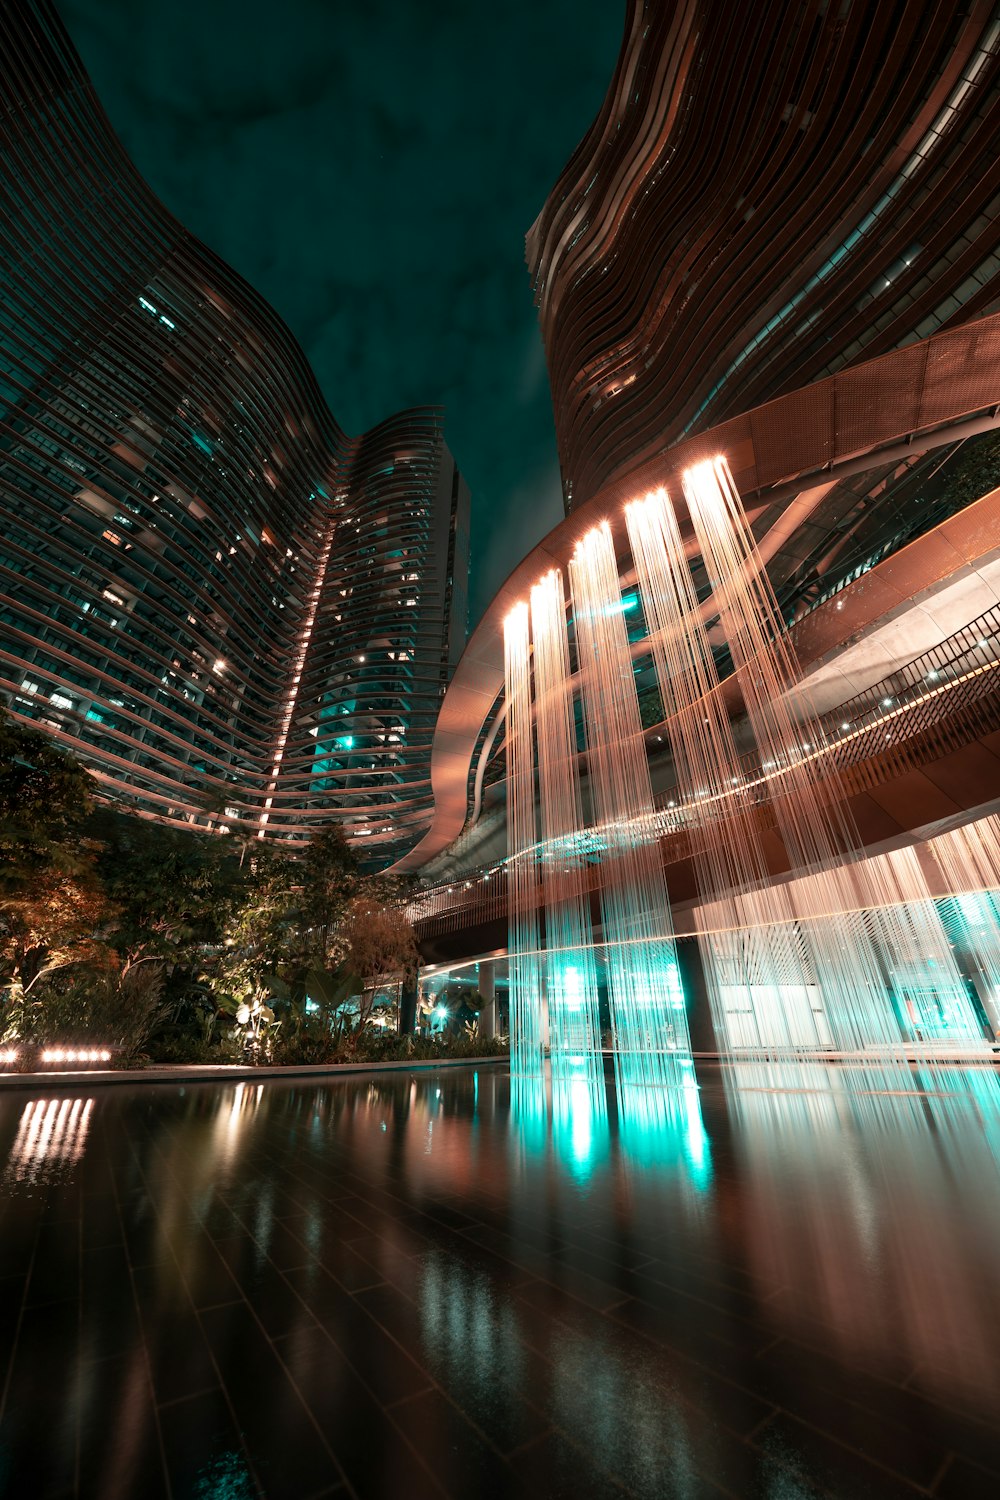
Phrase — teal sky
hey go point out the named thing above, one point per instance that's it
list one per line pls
(371, 167)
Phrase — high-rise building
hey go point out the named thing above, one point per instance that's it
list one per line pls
(779, 242)
(770, 193)
(230, 610)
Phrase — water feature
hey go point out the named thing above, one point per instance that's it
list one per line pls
(969, 861)
(761, 982)
(570, 973)
(807, 945)
(527, 1016)
(887, 928)
(554, 989)
(648, 1020)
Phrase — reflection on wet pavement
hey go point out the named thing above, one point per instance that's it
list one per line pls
(781, 1284)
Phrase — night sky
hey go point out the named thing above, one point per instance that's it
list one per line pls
(371, 167)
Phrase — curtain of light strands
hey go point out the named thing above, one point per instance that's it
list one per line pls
(938, 1010)
(969, 860)
(852, 970)
(647, 1005)
(529, 1109)
(930, 994)
(973, 917)
(761, 987)
(526, 1021)
(570, 975)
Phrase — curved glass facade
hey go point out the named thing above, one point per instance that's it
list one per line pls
(228, 608)
(768, 194)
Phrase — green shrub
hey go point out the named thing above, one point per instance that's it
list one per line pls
(310, 1044)
(313, 1044)
(183, 1047)
(96, 1007)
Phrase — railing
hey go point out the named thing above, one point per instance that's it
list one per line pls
(943, 699)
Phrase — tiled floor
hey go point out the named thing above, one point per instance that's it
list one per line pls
(405, 1287)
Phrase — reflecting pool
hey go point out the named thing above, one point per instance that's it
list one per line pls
(771, 1282)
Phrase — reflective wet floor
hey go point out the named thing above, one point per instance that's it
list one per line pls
(783, 1284)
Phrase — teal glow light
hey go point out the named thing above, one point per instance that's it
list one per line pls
(697, 1147)
(563, 1113)
(623, 606)
(664, 1127)
(580, 1135)
(528, 1111)
(346, 742)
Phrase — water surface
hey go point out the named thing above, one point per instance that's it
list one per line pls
(784, 1283)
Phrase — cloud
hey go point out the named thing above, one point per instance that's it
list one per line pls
(372, 170)
(531, 507)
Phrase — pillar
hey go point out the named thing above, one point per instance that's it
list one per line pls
(408, 1005)
(699, 1009)
(486, 970)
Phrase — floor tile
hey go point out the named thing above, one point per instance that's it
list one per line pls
(251, 1309)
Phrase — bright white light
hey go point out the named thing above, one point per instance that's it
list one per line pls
(516, 620)
(701, 480)
(74, 1054)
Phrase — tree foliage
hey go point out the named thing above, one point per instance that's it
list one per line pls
(52, 907)
(171, 889)
(330, 881)
(45, 798)
(118, 928)
(380, 945)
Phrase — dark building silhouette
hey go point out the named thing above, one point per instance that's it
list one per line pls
(208, 591)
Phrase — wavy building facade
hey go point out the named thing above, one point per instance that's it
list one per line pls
(778, 244)
(768, 195)
(233, 612)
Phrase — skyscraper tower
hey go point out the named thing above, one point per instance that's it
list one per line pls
(226, 607)
(769, 194)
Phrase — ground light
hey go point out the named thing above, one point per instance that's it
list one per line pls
(74, 1055)
(79, 1056)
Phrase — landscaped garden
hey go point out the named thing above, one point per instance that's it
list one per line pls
(161, 945)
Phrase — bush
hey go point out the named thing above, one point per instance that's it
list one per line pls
(95, 1007)
(310, 1044)
(313, 1045)
(478, 1046)
(183, 1047)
